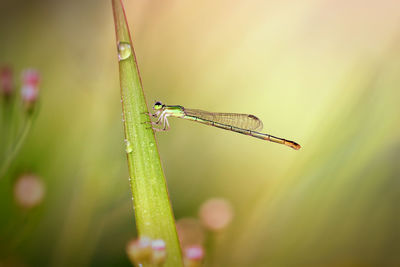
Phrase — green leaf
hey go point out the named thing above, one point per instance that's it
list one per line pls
(151, 202)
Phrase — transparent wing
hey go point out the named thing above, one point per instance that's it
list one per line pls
(244, 121)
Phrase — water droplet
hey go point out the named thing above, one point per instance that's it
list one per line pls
(128, 146)
(124, 50)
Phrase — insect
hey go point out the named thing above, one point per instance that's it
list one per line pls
(240, 123)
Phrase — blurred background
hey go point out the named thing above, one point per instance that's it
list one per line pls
(324, 73)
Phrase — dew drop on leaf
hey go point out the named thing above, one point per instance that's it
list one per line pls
(124, 50)
(128, 147)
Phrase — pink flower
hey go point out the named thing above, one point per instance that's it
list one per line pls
(216, 214)
(146, 250)
(6, 80)
(29, 190)
(29, 93)
(139, 250)
(190, 232)
(30, 87)
(193, 256)
(158, 244)
(195, 253)
(31, 77)
(159, 251)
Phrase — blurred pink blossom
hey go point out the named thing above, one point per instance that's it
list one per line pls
(6, 81)
(190, 232)
(31, 77)
(159, 251)
(139, 250)
(195, 252)
(193, 256)
(216, 214)
(29, 190)
(30, 86)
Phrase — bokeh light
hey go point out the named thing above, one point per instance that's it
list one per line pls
(29, 190)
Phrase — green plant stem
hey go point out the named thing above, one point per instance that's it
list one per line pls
(153, 212)
(16, 148)
(7, 127)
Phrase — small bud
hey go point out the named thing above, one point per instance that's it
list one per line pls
(190, 232)
(216, 214)
(30, 87)
(139, 250)
(6, 81)
(193, 256)
(29, 190)
(29, 93)
(31, 77)
(159, 251)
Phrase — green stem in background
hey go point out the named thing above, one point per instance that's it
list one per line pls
(153, 212)
(16, 148)
(7, 128)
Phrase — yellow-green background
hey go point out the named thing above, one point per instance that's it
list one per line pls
(324, 73)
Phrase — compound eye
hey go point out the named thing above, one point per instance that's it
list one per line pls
(158, 105)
